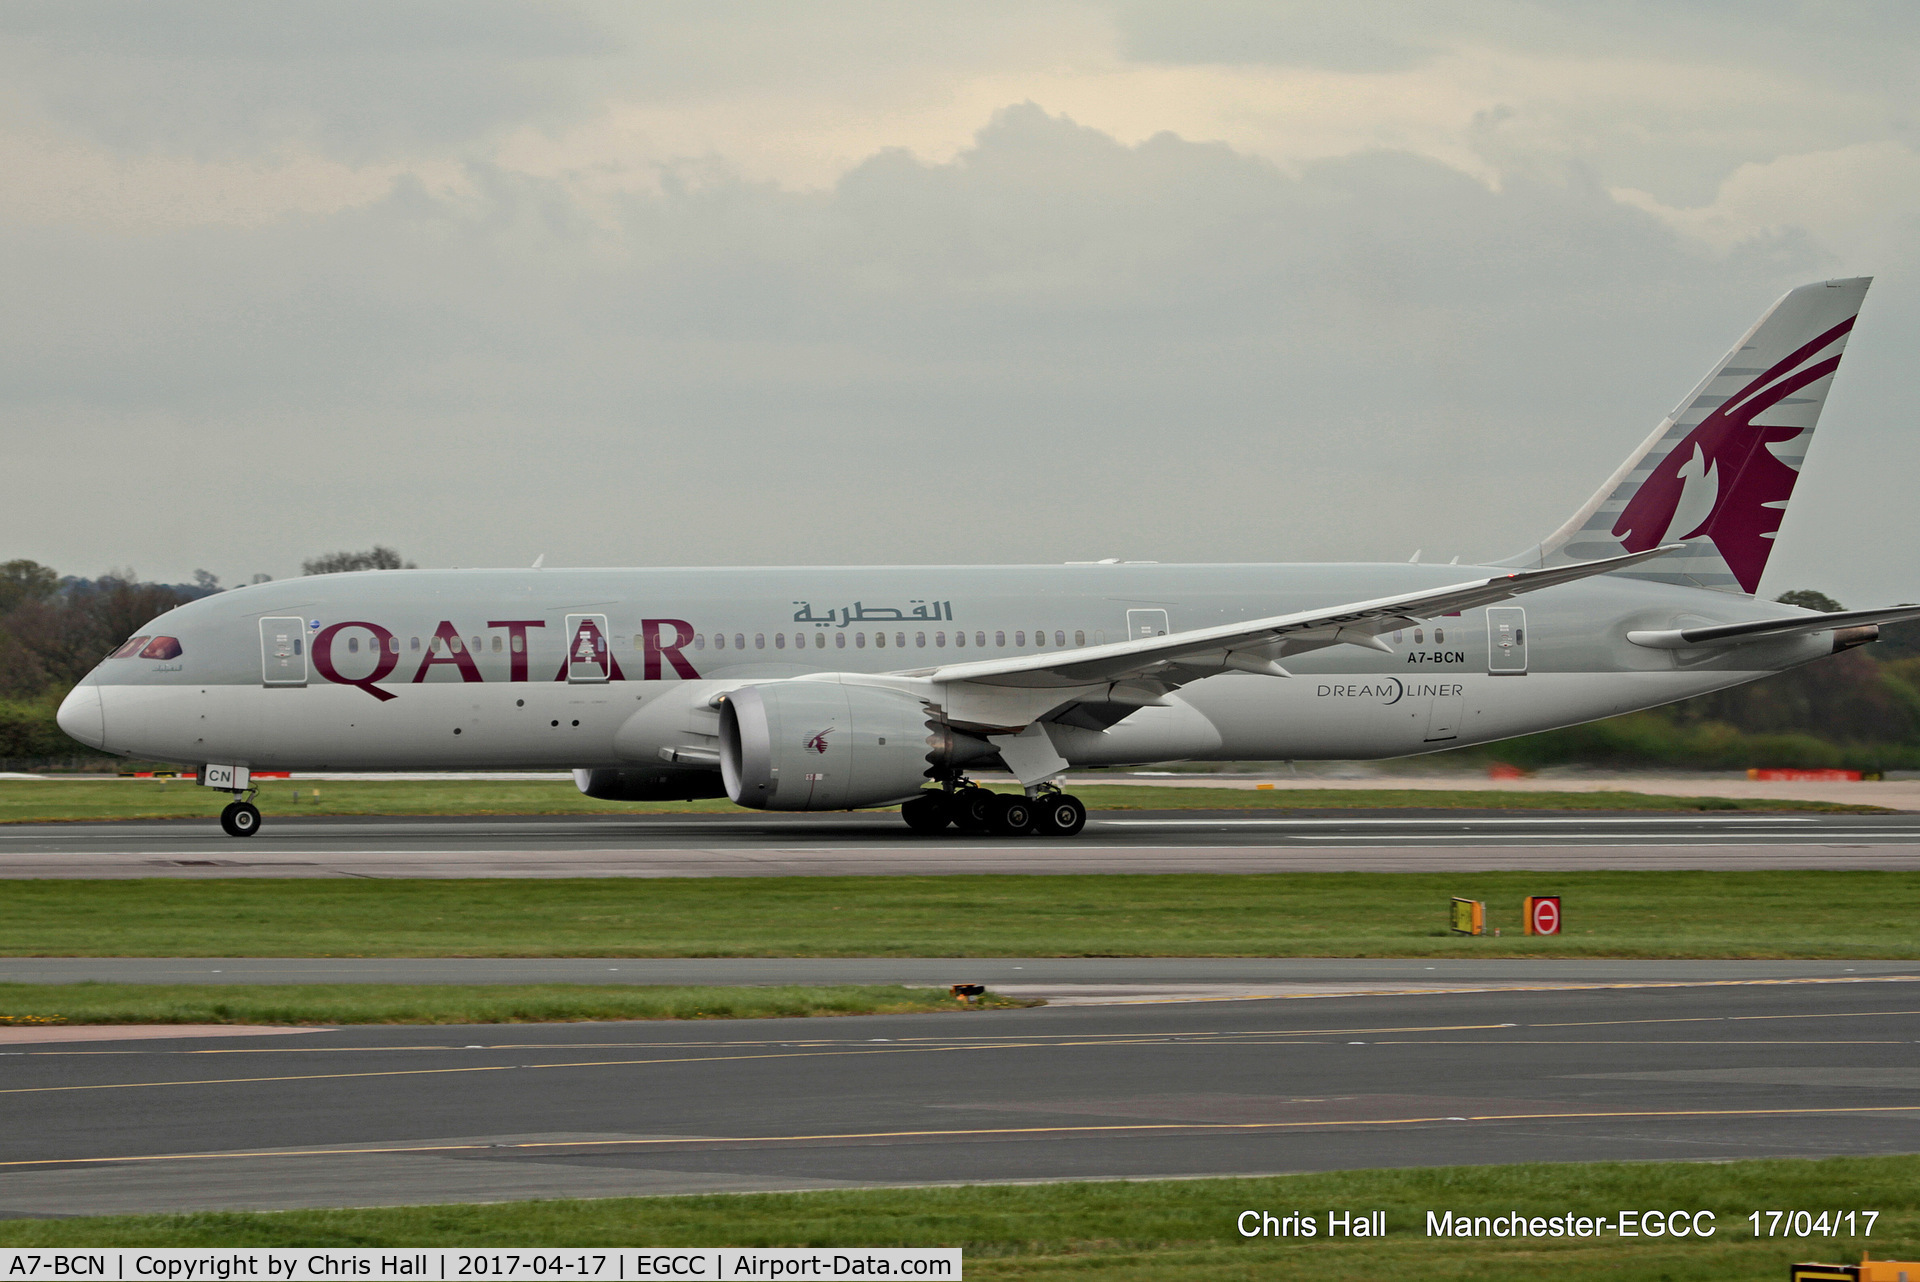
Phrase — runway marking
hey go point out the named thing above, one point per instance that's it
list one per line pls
(1279, 1037)
(1104, 1039)
(1137, 1128)
(1464, 822)
(234, 1081)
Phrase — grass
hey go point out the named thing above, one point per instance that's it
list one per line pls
(1172, 1230)
(1775, 913)
(54, 801)
(95, 1003)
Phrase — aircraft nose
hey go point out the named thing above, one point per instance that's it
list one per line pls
(82, 716)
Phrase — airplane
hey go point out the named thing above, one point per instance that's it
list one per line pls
(792, 689)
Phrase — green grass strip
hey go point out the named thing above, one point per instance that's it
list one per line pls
(96, 1003)
(1773, 913)
(1167, 1230)
(54, 801)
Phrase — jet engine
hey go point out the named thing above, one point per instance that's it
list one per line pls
(821, 745)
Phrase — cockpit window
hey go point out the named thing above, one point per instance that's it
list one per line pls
(161, 648)
(130, 649)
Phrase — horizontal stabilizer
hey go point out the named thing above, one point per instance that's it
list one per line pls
(1764, 629)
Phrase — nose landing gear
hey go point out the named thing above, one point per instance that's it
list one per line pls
(240, 819)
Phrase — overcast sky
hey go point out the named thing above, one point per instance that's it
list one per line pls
(677, 284)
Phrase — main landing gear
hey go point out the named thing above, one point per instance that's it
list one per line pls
(970, 808)
(240, 819)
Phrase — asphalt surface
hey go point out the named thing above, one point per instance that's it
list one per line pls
(840, 844)
(384, 1115)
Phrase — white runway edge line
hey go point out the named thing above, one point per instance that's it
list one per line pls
(570, 1264)
(1465, 821)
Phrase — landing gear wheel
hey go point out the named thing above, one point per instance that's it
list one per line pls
(1011, 816)
(1060, 815)
(972, 809)
(241, 819)
(927, 813)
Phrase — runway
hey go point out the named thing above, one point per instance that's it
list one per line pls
(732, 845)
(411, 1115)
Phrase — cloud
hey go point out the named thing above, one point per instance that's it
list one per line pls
(357, 79)
(1024, 282)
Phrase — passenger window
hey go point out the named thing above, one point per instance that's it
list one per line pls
(1398, 635)
(353, 645)
(920, 639)
(940, 639)
(1439, 636)
(477, 646)
(1079, 638)
(859, 640)
(739, 640)
(296, 645)
(131, 648)
(960, 639)
(1000, 639)
(819, 640)
(759, 640)
(413, 643)
(496, 645)
(719, 640)
(1020, 639)
(519, 645)
(1419, 636)
(839, 640)
(456, 645)
(161, 648)
(900, 639)
(979, 638)
(393, 646)
(880, 640)
(779, 640)
(1059, 638)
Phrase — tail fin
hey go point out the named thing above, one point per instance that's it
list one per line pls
(1710, 476)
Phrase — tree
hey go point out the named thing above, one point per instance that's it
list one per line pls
(376, 558)
(206, 580)
(23, 581)
(1808, 599)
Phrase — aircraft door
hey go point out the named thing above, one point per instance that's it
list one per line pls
(283, 652)
(1506, 640)
(588, 660)
(1443, 722)
(1144, 625)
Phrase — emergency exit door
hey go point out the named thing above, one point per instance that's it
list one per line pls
(1143, 625)
(283, 652)
(587, 657)
(1506, 640)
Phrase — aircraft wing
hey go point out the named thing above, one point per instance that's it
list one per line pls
(1258, 645)
(1761, 629)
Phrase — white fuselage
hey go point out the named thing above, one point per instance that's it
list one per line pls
(468, 669)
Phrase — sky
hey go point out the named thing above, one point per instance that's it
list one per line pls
(869, 283)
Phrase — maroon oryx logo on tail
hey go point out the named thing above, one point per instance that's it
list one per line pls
(819, 742)
(1722, 480)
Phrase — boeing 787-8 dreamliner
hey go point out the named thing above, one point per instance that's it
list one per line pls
(837, 689)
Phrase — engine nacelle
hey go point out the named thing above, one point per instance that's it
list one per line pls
(649, 783)
(820, 745)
